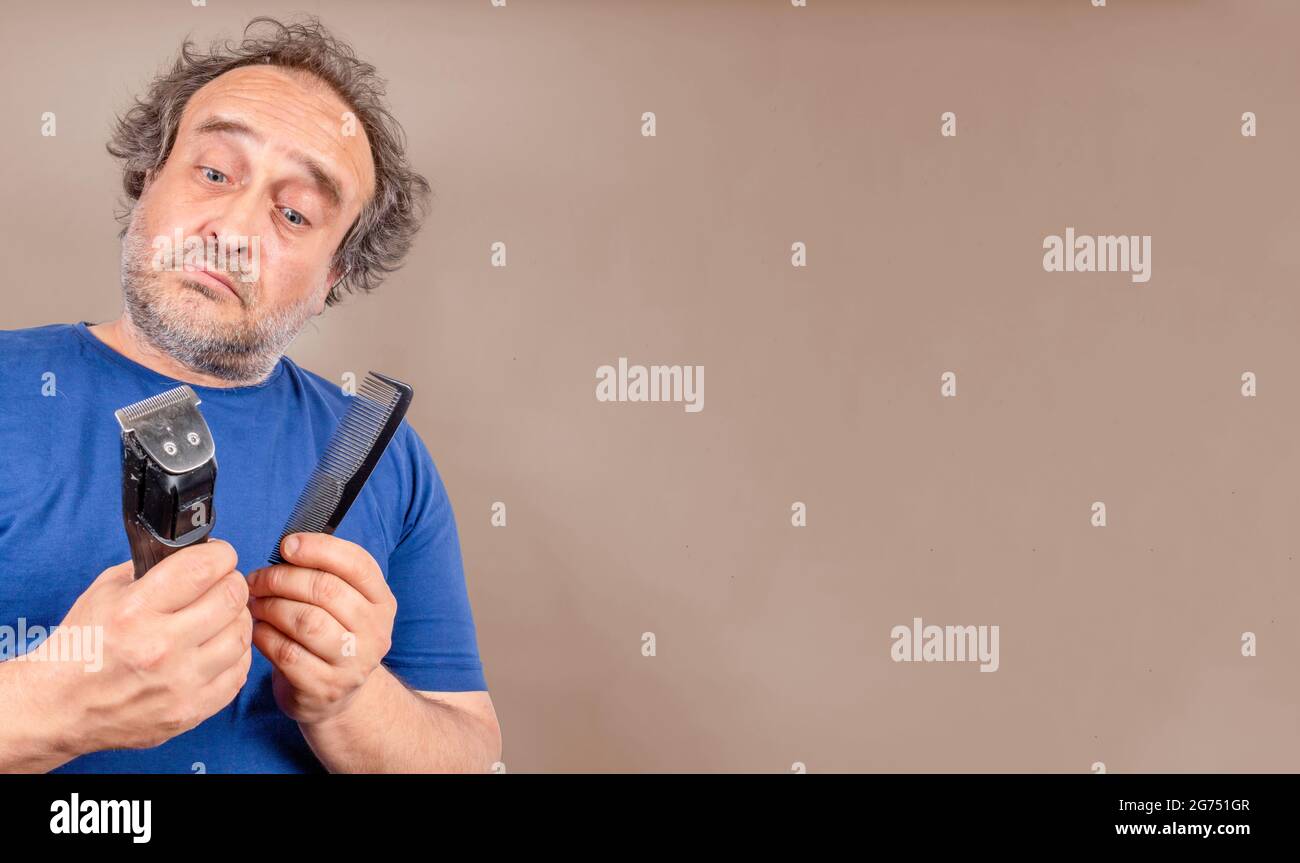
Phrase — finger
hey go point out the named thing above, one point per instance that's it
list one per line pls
(316, 586)
(184, 576)
(120, 575)
(310, 625)
(302, 668)
(210, 613)
(223, 688)
(347, 560)
(224, 649)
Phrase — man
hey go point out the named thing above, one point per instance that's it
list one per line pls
(279, 156)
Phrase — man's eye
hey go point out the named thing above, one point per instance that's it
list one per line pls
(294, 217)
(213, 175)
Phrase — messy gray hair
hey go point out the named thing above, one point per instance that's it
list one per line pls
(380, 237)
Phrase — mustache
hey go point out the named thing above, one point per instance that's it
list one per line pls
(240, 289)
(229, 269)
(229, 257)
(246, 291)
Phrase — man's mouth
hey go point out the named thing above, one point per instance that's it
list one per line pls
(214, 279)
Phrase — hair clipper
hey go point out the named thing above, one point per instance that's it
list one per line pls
(169, 475)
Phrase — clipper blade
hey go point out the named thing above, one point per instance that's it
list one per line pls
(128, 415)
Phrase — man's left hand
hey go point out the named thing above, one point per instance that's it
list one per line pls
(324, 619)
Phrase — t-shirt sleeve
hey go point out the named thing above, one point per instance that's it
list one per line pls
(434, 645)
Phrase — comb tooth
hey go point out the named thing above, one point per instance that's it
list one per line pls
(351, 454)
(374, 382)
(357, 438)
(343, 455)
(378, 399)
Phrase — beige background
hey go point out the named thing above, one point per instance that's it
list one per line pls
(775, 124)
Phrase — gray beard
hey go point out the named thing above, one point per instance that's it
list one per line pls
(242, 353)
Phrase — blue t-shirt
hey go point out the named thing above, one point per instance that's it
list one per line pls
(61, 525)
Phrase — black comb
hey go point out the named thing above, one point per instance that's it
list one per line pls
(354, 450)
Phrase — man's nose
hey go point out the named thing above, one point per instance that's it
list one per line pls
(234, 222)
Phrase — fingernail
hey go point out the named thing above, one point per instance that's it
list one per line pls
(290, 545)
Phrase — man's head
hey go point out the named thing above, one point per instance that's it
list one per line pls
(279, 150)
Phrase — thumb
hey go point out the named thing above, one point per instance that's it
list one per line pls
(119, 575)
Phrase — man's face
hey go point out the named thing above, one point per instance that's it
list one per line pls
(269, 168)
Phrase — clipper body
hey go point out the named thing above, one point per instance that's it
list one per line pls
(169, 475)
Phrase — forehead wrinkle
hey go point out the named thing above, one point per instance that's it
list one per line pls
(259, 92)
(219, 124)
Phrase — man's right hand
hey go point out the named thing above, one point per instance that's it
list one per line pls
(177, 647)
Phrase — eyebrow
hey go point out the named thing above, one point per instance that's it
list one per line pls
(320, 177)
